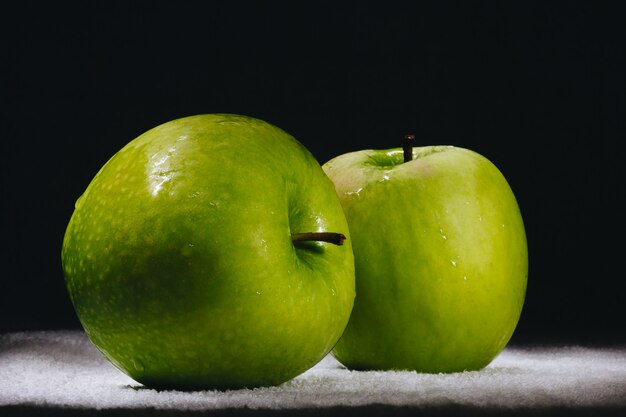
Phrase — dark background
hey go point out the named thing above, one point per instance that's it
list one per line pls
(537, 87)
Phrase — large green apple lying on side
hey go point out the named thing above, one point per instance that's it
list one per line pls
(440, 256)
(205, 254)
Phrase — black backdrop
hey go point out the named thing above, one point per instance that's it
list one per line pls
(537, 87)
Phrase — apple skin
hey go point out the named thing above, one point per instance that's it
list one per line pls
(179, 261)
(440, 257)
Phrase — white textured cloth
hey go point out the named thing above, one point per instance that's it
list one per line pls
(62, 370)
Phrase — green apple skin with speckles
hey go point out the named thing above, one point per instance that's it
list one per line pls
(440, 257)
(179, 261)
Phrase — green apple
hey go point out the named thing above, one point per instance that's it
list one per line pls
(203, 255)
(440, 258)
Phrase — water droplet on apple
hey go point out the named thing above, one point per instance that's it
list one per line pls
(258, 292)
(453, 262)
(79, 202)
(138, 365)
(384, 178)
(465, 278)
(443, 236)
(354, 193)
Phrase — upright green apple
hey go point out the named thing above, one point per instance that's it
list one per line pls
(440, 257)
(201, 256)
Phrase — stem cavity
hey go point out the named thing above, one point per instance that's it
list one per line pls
(334, 238)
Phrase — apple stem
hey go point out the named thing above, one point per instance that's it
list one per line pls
(334, 238)
(407, 147)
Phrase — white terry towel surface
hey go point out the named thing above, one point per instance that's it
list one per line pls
(62, 369)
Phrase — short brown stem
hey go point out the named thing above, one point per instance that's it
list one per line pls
(334, 238)
(407, 147)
